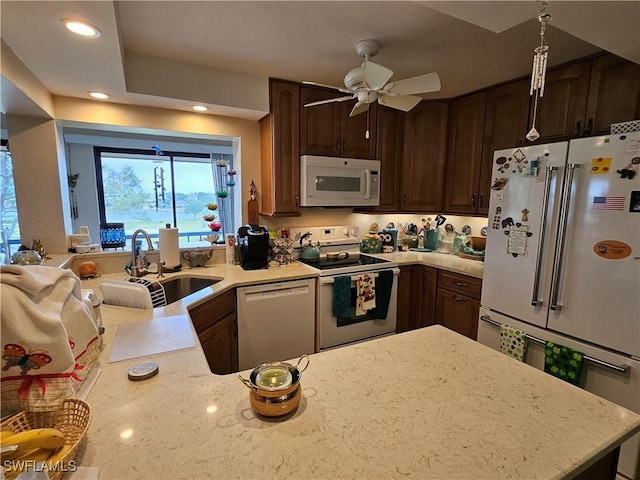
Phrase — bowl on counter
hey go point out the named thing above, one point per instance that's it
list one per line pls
(26, 257)
(478, 243)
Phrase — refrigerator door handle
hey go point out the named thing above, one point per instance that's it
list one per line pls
(564, 218)
(535, 301)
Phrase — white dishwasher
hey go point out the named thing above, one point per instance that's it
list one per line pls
(276, 321)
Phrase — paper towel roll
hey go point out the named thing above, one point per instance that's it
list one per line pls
(229, 251)
(169, 247)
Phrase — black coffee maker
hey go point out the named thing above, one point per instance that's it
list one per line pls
(253, 241)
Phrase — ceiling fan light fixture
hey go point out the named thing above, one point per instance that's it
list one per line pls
(81, 28)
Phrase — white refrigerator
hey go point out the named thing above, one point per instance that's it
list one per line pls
(563, 260)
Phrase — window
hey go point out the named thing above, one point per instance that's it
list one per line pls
(149, 188)
(10, 229)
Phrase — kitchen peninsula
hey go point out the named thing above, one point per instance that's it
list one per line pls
(423, 404)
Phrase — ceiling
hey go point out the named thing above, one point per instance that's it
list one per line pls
(174, 54)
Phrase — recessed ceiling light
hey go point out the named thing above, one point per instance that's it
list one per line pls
(81, 28)
(99, 95)
(200, 108)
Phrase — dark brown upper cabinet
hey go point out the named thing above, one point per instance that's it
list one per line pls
(614, 93)
(280, 151)
(561, 111)
(327, 129)
(425, 136)
(389, 150)
(464, 157)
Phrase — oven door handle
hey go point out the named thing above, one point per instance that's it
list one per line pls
(329, 279)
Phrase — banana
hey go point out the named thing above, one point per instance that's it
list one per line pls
(36, 455)
(58, 455)
(5, 434)
(47, 438)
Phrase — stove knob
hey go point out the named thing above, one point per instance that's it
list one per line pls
(353, 232)
(345, 232)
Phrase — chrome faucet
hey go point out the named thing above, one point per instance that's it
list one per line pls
(137, 271)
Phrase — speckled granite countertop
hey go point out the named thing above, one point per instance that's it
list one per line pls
(453, 263)
(423, 404)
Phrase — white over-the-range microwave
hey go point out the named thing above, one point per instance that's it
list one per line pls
(338, 182)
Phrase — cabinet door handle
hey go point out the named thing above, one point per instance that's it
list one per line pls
(459, 284)
(473, 199)
(297, 200)
(576, 133)
(588, 128)
(458, 298)
(481, 200)
(344, 146)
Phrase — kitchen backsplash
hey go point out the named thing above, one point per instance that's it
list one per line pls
(316, 217)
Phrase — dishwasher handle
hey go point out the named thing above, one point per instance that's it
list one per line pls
(277, 290)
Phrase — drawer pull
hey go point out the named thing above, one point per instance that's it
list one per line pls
(458, 298)
(459, 284)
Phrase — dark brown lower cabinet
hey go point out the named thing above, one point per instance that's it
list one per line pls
(216, 323)
(416, 297)
(458, 303)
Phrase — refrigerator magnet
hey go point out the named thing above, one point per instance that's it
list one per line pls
(503, 164)
(600, 166)
(499, 184)
(612, 249)
(525, 214)
(518, 239)
(634, 204)
(496, 218)
(631, 169)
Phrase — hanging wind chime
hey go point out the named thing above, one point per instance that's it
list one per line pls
(539, 70)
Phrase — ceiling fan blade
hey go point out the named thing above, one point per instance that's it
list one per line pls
(340, 89)
(376, 75)
(429, 82)
(400, 102)
(359, 108)
(329, 100)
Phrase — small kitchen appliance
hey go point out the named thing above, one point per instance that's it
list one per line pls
(253, 241)
(339, 182)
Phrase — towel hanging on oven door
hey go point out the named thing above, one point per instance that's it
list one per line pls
(366, 290)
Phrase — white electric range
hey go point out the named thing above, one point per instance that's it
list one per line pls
(336, 327)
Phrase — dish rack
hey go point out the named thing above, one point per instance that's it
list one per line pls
(156, 290)
(72, 419)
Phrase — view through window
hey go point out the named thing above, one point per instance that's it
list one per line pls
(149, 188)
(10, 232)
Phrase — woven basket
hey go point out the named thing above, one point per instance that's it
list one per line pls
(72, 420)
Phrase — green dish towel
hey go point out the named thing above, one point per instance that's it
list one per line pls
(563, 362)
(513, 342)
(384, 284)
(341, 296)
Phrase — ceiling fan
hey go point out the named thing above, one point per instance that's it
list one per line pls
(368, 83)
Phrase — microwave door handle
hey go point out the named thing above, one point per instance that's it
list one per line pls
(367, 184)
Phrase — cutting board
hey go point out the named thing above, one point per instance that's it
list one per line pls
(149, 338)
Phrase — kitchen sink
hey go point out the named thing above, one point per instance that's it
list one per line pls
(179, 287)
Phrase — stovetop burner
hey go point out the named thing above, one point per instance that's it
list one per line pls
(356, 264)
(353, 260)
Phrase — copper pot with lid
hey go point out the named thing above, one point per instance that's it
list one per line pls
(275, 388)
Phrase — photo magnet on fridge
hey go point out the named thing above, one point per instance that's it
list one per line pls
(634, 203)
